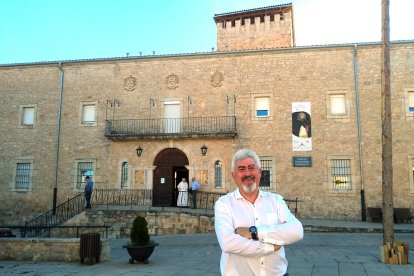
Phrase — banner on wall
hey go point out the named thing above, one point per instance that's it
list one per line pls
(301, 126)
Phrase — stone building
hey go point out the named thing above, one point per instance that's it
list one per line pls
(313, 114)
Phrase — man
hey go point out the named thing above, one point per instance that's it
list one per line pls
(194, 187)
(252, 226)
(88, 191)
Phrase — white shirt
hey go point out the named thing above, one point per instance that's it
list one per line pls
(275, 225)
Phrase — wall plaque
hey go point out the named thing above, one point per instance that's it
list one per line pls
(302, 161)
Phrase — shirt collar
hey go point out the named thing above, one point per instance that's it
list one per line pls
(238, 195)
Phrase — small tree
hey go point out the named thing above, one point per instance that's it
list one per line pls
(139, 232)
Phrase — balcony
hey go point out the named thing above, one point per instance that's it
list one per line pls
(167, 128)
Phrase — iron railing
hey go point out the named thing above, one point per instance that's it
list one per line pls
(224, 126)
(42, 225)
(39, 225)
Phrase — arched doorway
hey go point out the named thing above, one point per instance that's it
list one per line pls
(170, 169)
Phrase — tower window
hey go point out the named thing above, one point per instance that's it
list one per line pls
(262, 19)
(252, 20)
(272, 17)
(233, 23)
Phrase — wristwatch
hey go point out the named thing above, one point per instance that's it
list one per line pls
(253, 232)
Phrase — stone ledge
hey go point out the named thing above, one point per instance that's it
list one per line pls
(47, 249)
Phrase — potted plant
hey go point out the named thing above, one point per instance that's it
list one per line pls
(140, 246)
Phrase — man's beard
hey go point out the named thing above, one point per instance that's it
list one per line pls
(252, 188)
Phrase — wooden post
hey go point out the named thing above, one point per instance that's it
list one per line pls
(387, 170)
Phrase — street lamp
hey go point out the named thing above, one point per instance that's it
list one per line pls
(204, 150)
(139, 151)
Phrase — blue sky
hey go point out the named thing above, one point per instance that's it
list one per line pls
(58, 30)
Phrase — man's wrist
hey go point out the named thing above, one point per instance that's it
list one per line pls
(253, 232)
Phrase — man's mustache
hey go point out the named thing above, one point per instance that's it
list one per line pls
(248, 177)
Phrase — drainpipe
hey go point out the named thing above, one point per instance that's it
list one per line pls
(58, 137)
(361, 171)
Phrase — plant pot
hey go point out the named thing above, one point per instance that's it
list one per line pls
(140, 253)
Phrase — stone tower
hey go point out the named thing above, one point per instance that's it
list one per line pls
(267, 27)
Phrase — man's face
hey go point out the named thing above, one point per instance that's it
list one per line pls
(246, 175)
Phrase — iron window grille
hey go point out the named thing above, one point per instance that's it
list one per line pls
(266, 178)
(23, 176)
(124, 175)
(341, 174)
(84, 169)
(218, 173)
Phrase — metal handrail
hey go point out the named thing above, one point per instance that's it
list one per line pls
(183, 127)
(25, 231)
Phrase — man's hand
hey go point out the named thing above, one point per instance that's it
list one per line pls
(244, 232)
(277, 247)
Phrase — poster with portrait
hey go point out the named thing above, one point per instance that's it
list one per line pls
(301, 126)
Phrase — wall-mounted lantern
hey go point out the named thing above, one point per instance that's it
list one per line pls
(139, 151)
(204, 150)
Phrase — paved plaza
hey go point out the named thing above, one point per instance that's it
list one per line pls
(319, 253)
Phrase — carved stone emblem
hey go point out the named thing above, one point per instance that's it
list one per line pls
(130, 83)
(172, 81)
(217, 79)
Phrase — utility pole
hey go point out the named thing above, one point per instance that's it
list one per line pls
(387, 171)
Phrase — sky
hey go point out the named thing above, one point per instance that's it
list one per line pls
(59, 30)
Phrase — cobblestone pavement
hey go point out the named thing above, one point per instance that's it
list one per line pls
(327, 254)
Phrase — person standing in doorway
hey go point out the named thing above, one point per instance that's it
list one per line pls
(88, 192)
(195, 186)
(182, 200)
(251, 225)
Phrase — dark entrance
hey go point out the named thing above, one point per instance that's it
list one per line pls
(170, 169)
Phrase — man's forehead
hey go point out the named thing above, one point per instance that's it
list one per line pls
(248, 161)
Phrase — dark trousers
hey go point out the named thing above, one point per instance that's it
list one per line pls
(88, 199)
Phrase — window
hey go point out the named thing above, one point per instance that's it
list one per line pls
(233, 23)
(84, 169)
(262, 106)
(252, 20)
(124, 175)
(266, 178)
(243, 21)
(262, 19)
(341, 174)
(272, 17)
(218, 174)
(411, 101)
(411, 171)
(27, 115)
(282, 16)
(337, 104)
(88, 116)
(23, 176)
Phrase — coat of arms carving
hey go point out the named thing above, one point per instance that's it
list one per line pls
(130, 83)
(172, 81)
(217, 79)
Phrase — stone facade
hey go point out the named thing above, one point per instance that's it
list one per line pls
(270, 27)
(210, 85)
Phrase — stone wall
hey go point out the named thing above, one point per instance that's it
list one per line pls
(47, 249)
(159, 223)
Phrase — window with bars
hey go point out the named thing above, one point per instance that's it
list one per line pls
(124, 175)
(84, 169)
(266, 178)
(218, 174)
(23, 177)
(341, 174)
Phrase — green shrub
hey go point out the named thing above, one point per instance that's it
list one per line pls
(139, 232)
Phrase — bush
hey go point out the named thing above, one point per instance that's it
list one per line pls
(139, 232)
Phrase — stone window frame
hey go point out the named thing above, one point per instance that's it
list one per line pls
(353, 169)
(253, 109)
(272, 160)
(22, 109)
(25, 160)
(407, 92)
(411, 172)
(75, 172)
(81, 113)
(331, 115)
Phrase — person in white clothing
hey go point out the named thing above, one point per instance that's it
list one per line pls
(251, 225)
(182, 199)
